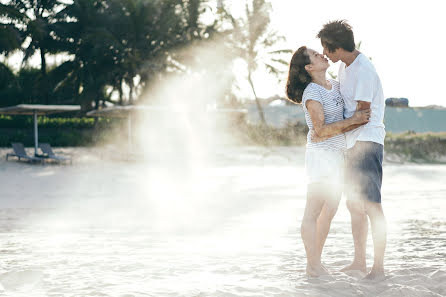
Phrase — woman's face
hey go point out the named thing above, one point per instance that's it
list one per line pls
(318, 61)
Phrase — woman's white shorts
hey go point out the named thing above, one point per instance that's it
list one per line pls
(324, 166)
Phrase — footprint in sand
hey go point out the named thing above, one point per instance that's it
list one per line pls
(20, 279)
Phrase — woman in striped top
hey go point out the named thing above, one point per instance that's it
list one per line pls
(324, 108)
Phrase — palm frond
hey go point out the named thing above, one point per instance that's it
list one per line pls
(10, 39)
(281, 51)
(272, 70)
(12, 13)
(280, 61)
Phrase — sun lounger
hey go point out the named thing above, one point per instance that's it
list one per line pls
(20, 153)
(48, 153)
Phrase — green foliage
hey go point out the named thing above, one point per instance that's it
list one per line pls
(57, 131)
(417, 147)
(55, 122)
(8, 86)
(75, 137)
(32, 28)
(26, 87)
(111, 43)
(116, 41)
(409, 146)
(290, 134)
(10, 39)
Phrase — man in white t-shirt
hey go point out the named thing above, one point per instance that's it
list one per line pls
(361, 88)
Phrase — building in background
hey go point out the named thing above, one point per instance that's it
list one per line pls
(397, 102)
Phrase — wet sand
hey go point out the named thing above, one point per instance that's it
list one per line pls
(227, 227)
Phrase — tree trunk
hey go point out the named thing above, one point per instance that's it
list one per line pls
(43, 62)
(131, 86)
(96, 94)
(259, 107)
(120, 91)
(96, 102)
(77, 86)
(45, 87)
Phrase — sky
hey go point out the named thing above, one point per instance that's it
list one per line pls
(405, 40)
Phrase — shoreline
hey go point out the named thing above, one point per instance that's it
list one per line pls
(111, 153)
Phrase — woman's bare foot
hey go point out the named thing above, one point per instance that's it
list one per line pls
(375, 275)
(325, 269)
(355, 266)
(315, 271)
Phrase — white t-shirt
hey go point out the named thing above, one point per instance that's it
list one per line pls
(360, 82)
(333, 105)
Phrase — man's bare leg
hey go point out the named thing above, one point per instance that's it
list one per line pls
(359, 231)
(379, 235)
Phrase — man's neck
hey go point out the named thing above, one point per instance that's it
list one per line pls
(349, 57)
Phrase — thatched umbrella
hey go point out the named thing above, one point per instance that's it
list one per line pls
(36, 110)
(128, 110)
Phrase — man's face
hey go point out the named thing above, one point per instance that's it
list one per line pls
(333, 56)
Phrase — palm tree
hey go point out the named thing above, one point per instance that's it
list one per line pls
(83, 26)
(9, 87)
(10, 39)
(10, 36)
(35, 20)
(155, 33)
(109, 42)
(253, 40)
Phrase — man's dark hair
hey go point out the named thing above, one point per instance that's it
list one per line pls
(337, 34)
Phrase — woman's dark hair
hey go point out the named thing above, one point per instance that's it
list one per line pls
(298, 77)
(337, 34)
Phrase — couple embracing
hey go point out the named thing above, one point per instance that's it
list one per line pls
(345, 144)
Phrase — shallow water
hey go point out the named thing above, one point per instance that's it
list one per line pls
(230, 228)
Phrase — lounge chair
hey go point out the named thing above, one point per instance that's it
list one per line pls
(20, 153)
(48, 153)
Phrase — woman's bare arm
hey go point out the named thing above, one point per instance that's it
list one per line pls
(324, 130)
(363, 107)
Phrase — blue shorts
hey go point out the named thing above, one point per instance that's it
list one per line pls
(364, 171)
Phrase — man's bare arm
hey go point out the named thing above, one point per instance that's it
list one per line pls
(363, 105)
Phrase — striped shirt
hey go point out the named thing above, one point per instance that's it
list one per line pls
(333, 106)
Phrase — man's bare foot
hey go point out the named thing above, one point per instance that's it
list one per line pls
(316, 271)
(375, 275)
(355, 266)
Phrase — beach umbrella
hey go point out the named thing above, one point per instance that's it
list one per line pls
(125, 112)
(118, 112)
(36, 110)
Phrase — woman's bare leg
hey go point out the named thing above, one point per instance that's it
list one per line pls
(309, 231)
(324, 220)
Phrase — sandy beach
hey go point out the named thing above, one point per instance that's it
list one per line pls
(229, 226)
